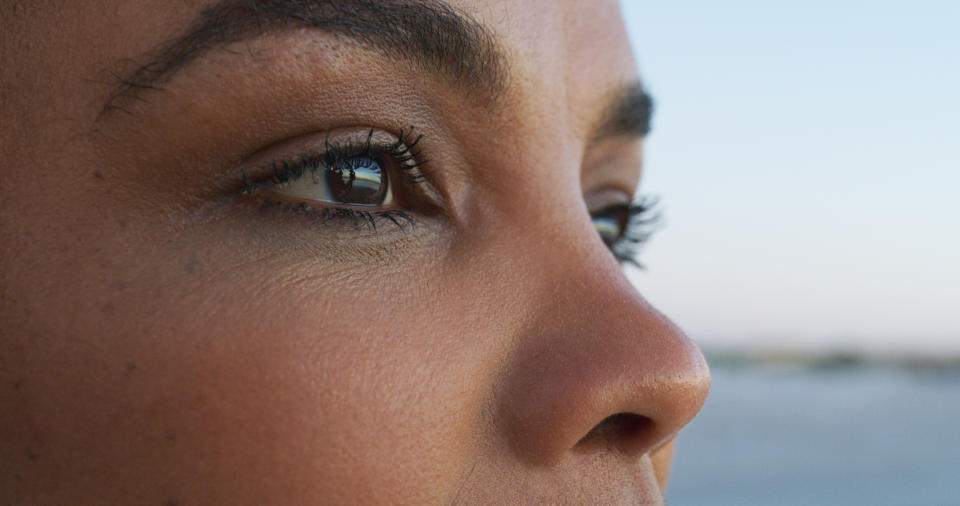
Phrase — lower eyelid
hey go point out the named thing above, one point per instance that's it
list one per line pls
(358, 219)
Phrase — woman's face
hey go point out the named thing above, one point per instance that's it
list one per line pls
(289, 252)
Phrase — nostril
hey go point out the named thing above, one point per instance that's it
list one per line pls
(623, 432)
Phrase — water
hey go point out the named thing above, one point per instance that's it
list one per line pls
(857, 435)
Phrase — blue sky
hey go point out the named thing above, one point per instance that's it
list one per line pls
(808, 158)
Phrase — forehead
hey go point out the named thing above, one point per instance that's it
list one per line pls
(576, 35)
(581, 43)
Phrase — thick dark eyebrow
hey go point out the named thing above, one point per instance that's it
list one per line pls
(429, 33)
(628, 113)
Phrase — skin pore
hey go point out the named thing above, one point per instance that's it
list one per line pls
(175, 328)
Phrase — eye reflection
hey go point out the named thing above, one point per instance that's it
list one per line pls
(362, 182)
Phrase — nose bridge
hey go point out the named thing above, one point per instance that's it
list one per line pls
(597, 364)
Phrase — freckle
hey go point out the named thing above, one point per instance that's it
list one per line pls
(192, 265)
(31, 455)
(132, 366)
(108, 309)
(16, 384)
(171, 502)
(171, 436)
(97, 174)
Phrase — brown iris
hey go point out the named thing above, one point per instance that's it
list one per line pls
(357, 181)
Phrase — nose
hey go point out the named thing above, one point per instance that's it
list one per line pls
(597, 368)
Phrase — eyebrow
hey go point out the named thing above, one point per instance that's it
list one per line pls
(430, 33)
(628, 112)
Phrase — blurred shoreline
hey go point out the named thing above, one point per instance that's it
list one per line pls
(732, 358)
(815, 427)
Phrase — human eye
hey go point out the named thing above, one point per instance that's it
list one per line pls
(362, 176)
(625, 227)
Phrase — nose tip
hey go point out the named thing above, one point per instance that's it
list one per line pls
(602, 373)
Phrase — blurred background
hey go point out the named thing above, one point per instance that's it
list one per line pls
(807, 155)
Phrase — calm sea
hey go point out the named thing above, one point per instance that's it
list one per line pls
(854, 435)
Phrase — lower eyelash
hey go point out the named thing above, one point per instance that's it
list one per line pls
(358, 218)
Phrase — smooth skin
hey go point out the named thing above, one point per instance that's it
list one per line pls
(164, 339)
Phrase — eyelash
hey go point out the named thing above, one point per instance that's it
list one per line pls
(404, 152)
(643, 220)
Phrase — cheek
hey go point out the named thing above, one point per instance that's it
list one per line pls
(368, 385)
(223, 381)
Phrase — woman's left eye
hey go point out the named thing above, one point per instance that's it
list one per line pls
(624, 228)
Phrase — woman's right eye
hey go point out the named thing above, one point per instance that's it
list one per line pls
(360, 174)
(361, 181)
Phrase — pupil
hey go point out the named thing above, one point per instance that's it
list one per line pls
(357, 181)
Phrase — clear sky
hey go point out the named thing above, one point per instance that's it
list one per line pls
(808, 159)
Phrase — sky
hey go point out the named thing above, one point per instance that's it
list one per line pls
(807, 156)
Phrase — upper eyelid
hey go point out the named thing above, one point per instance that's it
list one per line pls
(316, 145)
